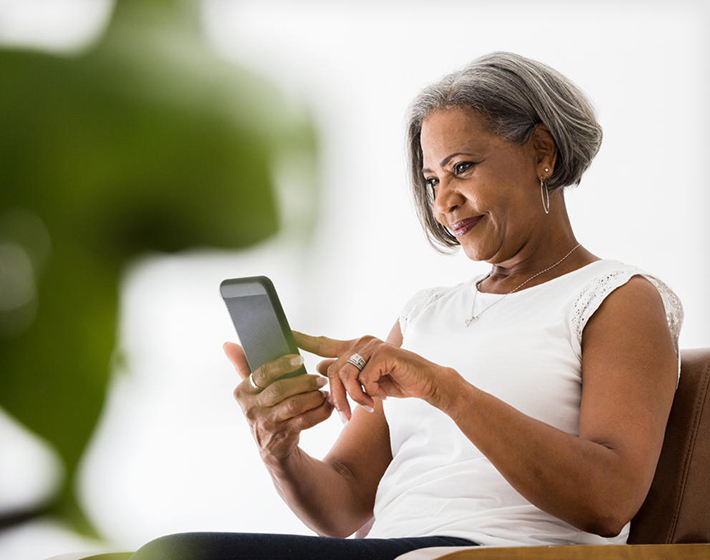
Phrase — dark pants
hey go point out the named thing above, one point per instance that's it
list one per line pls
(259, 546)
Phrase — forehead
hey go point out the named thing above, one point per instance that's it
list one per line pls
(454, 129)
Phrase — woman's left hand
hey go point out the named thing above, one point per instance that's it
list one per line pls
(390, 371)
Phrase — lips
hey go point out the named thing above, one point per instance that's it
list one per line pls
(462, 226)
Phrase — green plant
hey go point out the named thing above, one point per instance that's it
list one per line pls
(145, 142)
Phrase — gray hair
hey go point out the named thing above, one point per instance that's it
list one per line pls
(512, 94)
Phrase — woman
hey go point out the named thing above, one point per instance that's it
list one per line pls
(526, 406)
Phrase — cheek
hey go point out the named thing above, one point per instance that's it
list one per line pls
(506, 212)
(504, 196)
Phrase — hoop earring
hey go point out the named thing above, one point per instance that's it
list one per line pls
(544, 194)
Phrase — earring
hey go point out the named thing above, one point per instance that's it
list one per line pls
(544, 194)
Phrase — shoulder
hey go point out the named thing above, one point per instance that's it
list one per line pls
(634, 303)
(624, 305)
(628, 286)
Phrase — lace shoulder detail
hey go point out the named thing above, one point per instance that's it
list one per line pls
(594, 292)
(673, 306)
(415, 305)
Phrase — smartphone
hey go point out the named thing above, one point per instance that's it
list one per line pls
(260, 320)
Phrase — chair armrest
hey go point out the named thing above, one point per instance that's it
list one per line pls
(578, 552)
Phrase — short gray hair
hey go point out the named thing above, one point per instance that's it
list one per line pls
(512, 94)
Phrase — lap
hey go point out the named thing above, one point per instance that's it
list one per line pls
(264, 546)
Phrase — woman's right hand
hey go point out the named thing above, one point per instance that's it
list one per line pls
(280, 409)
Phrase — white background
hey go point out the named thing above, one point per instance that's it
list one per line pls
(173, 452)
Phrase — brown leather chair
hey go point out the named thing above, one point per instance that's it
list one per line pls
(674, 521)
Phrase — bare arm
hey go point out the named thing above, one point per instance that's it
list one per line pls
(335, 496)
(598, 480)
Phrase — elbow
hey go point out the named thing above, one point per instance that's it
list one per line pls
(331, 529)
(606, 517)
(339, 529)
(607, 527)
(607, 522)
(333, 534)
(611, 508)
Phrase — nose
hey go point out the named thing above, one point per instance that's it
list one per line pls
(446, 200)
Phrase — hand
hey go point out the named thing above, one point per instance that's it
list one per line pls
(280, 408)
(390, 371)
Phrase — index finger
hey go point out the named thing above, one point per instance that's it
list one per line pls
(321, 345)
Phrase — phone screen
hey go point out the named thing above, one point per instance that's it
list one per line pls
(259, 320)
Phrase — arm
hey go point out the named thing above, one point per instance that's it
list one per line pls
(598, 480)
(335, 496)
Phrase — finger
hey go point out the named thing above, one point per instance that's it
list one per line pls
(298, 404)
(322, 367)
(235, 353)
(387, 388)
(311, 417)
(339, 370)
(353, 376)
(371, 375)
(349, 375)
(321, 345)
(269, 372)
(284, 388)
(337, 393)
(371, 386)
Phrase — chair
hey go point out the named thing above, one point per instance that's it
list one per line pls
(674, 521)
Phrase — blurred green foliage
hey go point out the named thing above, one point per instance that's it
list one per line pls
(144, 142)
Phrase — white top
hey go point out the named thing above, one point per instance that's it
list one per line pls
(526, 350)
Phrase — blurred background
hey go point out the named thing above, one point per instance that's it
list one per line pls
(151, 148)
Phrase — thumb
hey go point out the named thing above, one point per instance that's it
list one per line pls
(235, 353)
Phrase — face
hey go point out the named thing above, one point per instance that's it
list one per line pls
(477, 174)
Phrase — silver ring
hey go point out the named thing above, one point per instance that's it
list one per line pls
(358, 361)
(253, 383)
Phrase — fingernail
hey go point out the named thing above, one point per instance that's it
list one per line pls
(297, 361)
(321, 381)
(343, 418)
(368, 408)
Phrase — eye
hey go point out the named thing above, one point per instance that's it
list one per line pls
(462, 167)
(431, 182)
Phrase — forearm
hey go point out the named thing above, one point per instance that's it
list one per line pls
(576, 480)
(319, 493)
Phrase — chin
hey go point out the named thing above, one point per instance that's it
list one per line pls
(478, 252)
(472, 252)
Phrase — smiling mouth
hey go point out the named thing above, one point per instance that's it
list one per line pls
(464, 226)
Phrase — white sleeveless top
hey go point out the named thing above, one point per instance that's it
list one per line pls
(526, 350)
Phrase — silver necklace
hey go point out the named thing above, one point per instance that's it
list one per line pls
(474, 317)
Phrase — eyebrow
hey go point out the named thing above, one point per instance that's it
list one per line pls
(446, 160)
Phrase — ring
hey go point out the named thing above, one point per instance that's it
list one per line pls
(252, 383)
(357, 360)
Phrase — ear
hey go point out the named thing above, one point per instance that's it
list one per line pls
(545, 150)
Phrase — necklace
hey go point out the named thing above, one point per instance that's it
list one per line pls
(474, 317)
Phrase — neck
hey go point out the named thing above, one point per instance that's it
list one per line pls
(554, 240)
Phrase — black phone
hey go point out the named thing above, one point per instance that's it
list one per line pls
(260, 320)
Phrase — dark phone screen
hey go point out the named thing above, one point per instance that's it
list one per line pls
(258, 329)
